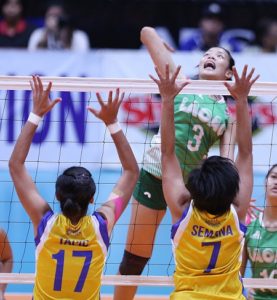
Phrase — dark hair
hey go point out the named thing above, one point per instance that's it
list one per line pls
(270, 170)
(65, 21)
(213, 11)
(5, 2)
(214, 186)
(74, 189)
(231, 59)
(49, 4)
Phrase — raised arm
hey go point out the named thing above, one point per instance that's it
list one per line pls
(244, 160)
(6, 259)
(228, 140)
(158, 51)
(31, 200)
(244, 260)
(123, 189)
(175, 192)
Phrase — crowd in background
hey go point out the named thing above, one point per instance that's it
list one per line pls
(62, 28)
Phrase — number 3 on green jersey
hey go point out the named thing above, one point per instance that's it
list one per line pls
(194, 144)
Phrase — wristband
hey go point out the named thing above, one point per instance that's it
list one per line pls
(114, 128)
(34, 119)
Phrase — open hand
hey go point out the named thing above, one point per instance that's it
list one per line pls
(109, 110)
(41, 101)
(252, 212)
(240, 89)
(168, 86)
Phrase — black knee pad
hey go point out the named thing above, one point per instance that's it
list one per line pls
(132, 264)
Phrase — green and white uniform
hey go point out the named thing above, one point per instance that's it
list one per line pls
(200, 121)
(262, 252)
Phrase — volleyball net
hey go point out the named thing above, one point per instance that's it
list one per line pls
(70, 135)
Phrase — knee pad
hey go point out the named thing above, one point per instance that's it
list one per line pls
(132, 264)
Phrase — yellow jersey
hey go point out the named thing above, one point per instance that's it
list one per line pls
(207, 251)
(70, 258)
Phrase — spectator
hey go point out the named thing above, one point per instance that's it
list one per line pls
(14, 30)
(6, 259)
(58, 32)
(267, 35)
(210, 30)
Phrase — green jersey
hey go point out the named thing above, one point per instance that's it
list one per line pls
(262, 253)
(200, 121)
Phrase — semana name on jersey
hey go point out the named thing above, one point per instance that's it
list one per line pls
(202, 231)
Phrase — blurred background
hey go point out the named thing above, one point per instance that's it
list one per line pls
(117, 23)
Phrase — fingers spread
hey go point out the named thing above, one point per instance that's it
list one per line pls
(235, 72)
(154, 79)
(100, 100)
(176, 73)
(92, 110)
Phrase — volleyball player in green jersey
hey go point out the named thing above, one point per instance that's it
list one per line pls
(200, 122)
(261, 240)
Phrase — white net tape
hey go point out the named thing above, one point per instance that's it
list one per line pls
(129, 85)
(136, 280)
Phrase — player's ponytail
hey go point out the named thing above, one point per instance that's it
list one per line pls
(71, 209)
(75, 189)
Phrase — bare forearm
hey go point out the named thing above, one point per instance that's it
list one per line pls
(228, 141)
(168, 128)
(156, 48)
(23, 144)
(125, 152)
(244, 130)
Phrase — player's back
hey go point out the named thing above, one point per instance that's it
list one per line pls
(207, 253)
(70, 258)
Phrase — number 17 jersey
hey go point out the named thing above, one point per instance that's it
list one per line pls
(70, 258)
(207, 251)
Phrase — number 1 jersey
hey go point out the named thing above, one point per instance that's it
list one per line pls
(70, 258)
(207, 251)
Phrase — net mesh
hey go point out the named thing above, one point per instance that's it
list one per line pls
(69, 135)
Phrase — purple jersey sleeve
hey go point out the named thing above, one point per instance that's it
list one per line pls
(42, 225)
